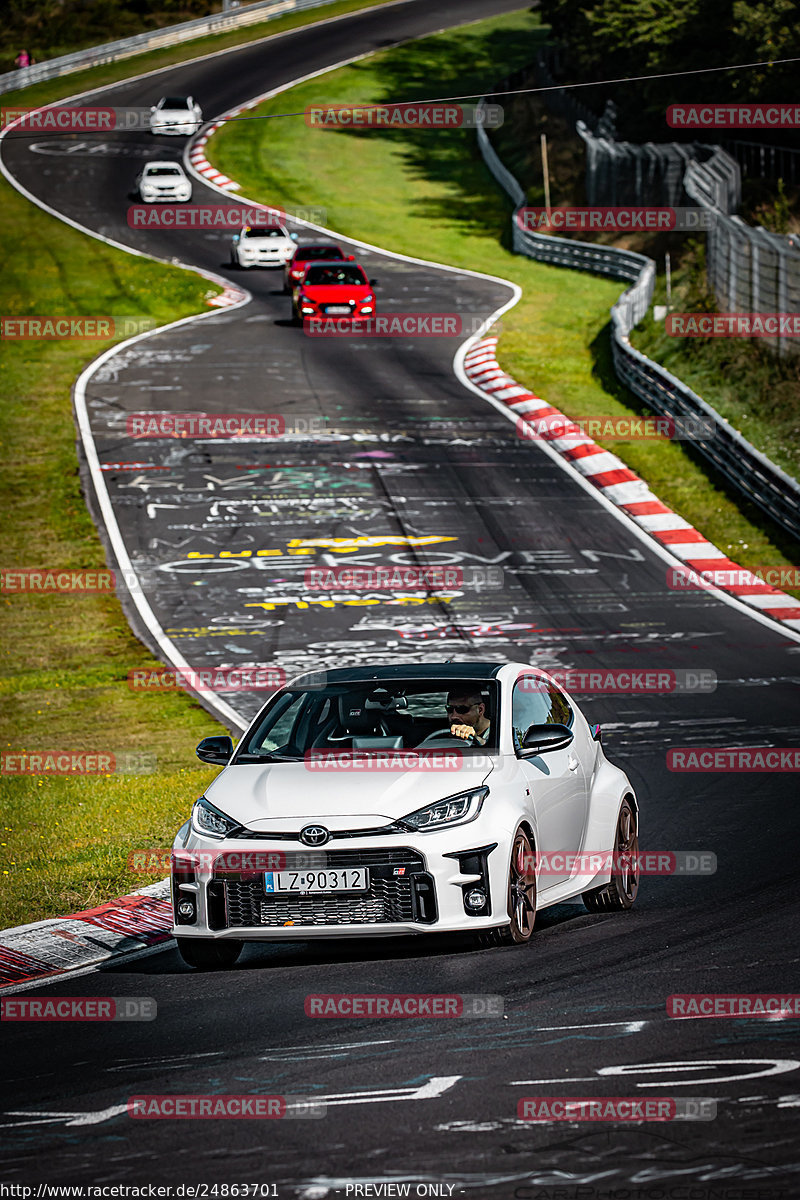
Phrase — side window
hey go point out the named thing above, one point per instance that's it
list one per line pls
(536, 701)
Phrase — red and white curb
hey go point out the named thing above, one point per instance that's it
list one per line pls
(31, 954)
(625, 489)
(197, 157)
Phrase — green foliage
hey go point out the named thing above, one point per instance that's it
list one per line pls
(617, 38)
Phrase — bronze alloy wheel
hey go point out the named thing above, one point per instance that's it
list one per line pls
(620, 893)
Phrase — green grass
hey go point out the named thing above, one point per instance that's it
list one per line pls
(65, 659)
(428, 194)
(64, 666)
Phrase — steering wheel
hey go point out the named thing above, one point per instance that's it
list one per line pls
(445, 733)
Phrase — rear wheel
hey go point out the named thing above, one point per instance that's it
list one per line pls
(521, 898)
(208, 954)
(620, 893)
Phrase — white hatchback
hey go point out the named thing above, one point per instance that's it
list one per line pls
(262, 245)
(163, 181)
(350, 809)
(179, 115)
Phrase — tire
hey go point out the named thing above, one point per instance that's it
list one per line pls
(620, 893)
(521, 898)
(208, 954)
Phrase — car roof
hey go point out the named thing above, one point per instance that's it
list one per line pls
(473, 671)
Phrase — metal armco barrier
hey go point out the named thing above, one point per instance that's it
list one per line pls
(750, 471)
(154, 39)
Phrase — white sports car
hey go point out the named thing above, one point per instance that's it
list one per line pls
(163, 181)
(176, 114)
(349, 809)
(264, 245)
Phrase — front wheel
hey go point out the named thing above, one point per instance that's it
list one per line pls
(521, 897)
(208, 954)
(620, 893)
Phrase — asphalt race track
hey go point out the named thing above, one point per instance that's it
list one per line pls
(418, 468)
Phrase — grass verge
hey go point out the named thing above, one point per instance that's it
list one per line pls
(444, 205)
(64, 842)
(65, 658)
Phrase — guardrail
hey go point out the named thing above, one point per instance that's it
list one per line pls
(751, 472)
(154, 39)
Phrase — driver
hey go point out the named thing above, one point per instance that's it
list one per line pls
(466, 712)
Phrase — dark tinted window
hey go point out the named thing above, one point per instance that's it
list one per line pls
(331, 276)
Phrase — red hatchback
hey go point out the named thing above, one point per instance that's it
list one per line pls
(333, 289)
(314, 252)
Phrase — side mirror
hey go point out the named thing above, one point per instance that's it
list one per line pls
(374, 283)
(294, 236)
(350, 258)
(236, 237)
(541, 739)
(216, 750)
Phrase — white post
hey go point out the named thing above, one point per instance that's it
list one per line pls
(546, 175)
(669, 283)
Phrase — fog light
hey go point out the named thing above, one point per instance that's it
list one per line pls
(476, 898)
(186, 908)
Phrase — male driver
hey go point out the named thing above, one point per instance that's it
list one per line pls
(466, 712)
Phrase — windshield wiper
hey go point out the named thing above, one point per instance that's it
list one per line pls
(268, 756)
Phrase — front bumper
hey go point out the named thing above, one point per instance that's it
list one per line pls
(417, 885)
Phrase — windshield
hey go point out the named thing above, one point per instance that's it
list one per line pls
(308, 253)
(373, 716)
(334, 276)
(264, 231)
(175, 102)
(150, 171)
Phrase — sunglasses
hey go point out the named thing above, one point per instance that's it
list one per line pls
(459, 708)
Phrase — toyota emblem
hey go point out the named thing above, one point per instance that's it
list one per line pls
(314, 835)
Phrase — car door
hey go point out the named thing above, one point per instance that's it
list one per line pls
(557, 779)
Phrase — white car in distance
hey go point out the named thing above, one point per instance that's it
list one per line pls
(163, 181)
(176, 115)
(266, 244)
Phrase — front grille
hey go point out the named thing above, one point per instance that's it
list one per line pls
(390, 899)
(387, 901)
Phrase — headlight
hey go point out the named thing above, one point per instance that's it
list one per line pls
(368, 300)
(209, 821)
(455, 810)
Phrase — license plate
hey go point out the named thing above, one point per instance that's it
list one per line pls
(353, 879)
(338, 310)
